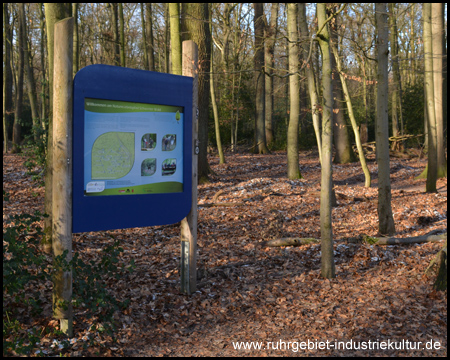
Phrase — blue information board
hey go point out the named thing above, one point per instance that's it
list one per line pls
(132, 148)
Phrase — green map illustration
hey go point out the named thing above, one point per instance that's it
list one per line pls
(112, 155)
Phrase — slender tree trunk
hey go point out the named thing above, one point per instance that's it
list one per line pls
(312, 89)
(7, 76)
(175, 39)
(437, 29)
(17, 127)
(429, 85)
(195, 27)
(352, 119)
(31, 87)
(271, 30)
(293, 170)
(327, 261)
(260, 133)
(167, 37)
(115, 20)
(43, 76)
(76, 53)
(53, 13)
(144, 36)
(386, 221)
(122, 36)
(149, 36)
(215, 111)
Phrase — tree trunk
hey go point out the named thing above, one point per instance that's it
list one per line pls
(214, 106)
(53, 13)
(115, 20)
(386, 220)
(352, 119)
(293, 171)
(149, 36)
(260, 133)
(327, 259)
(31, 87)
(122, 36)
(144, 36)
(270, 30)
(175, 38)
(76, 53)
(195, 27)
(17, 127)
(429, 85)
(437, 29)
(396, 73)
(312, 89)
(7, 76)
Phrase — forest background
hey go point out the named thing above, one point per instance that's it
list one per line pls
(261, 76)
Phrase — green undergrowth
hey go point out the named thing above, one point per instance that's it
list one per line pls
(27, 285)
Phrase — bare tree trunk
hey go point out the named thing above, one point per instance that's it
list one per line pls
(260, 133)
(352, 119)
(53, 13)
(7, 76)
(385, 218)
(429, 84)
(175, 38)
(31, 87)
(395, 69)
(115, 20)
(293, 170)
(17, 127)
(149, 36)
(270, 30)
(327, 261)
(437, 29)
(312, 89)
(76, 53)
(214, 105)
(195, 27)
(122, 36)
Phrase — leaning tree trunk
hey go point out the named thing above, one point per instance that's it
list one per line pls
(327, 262)
(175, 38)
(386, 220)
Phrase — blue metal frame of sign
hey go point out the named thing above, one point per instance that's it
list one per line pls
(111, 85)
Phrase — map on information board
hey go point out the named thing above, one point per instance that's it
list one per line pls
(112, 155)
(132, 148)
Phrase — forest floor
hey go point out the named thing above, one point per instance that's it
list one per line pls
(269, 297)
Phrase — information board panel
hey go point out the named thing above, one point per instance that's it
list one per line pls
(132, 148)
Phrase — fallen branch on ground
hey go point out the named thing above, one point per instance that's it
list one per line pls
(366, 239)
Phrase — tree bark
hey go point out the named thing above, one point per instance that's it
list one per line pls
(17, 127)
(312, 89)
(195, 27)
(31, 87)
(385, 218)
(149, 36)
(327, 260)
(260, 133)
(352, 120)
(370, 240)
(7, 76)
(175, 38)
(122, 35)
(293, 170)
(53, 13)
(270, 30)
(437, 29)
(429, 86)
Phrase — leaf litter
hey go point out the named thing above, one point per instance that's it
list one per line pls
(248, 293)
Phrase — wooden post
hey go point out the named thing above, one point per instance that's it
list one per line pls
(62, 170)
(189, 223)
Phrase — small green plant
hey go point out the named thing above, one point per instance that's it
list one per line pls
(26, 271)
